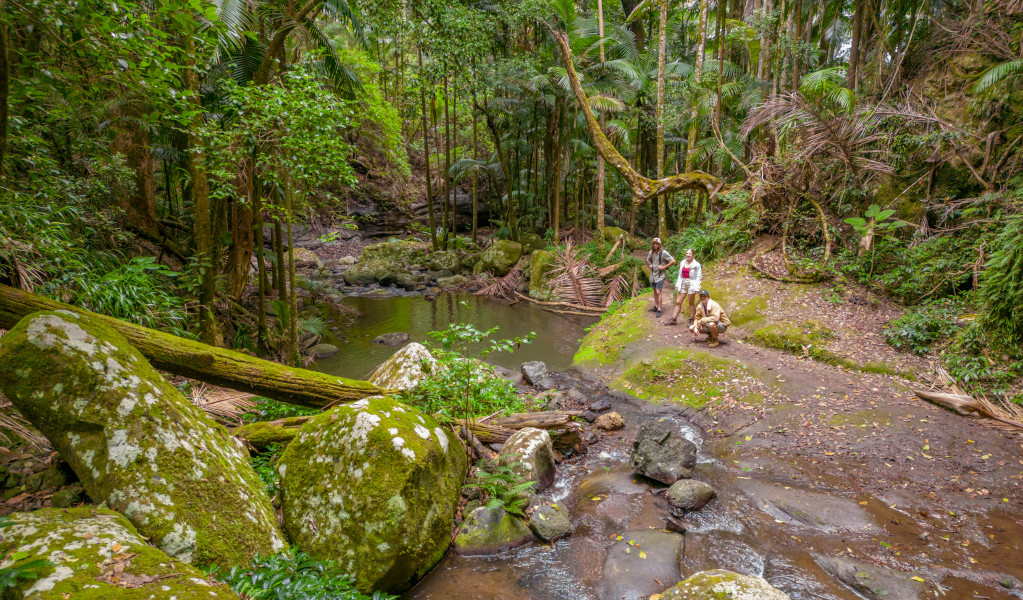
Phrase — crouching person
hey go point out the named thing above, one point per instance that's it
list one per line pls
(710, 319)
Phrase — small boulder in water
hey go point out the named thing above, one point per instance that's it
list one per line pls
(394, 338)
(549, 522)
(534, 372)
(724, 584)
(689, 494)
(490, 531)
(661, 453)
(530, 454)
(323, 350)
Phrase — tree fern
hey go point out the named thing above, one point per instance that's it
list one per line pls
(1008, 70)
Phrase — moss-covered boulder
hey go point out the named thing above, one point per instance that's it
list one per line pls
(613, 234)
(395, 251)
(373, 485)
(529, 453)
(723, 585)
(96, 554)
(135, 442)
(446, 260)
(376, 270)
(405, 369)
(541, 284)
(501, 257)
(531, 242)
(490, 530)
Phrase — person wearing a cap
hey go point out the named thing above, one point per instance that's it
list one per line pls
(658, 260)
(690, 275)
(710, 319)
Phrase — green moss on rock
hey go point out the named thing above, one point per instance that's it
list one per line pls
(445, 260)
(723, 585)
(87, 547)
(750, 312)
(395, 251)
(135, 442)
(501, 257)
(606, 341)
(373, 485)
(375, 270)
(810, 339)
(531, 242)
(540, 286)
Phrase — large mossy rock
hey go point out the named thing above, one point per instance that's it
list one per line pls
(135, 442)
(613, 234)
(395, 251)
(501, 257)
(445, 260)
(531, 242)
(529, 453)
(404, 369)
(373, 485)
(96, 554)
(375, 270)
(541, 284)
(710, 585)
(489, 530)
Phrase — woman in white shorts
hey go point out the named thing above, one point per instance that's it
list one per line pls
(687, 286)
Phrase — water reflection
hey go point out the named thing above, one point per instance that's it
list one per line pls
(557, 335)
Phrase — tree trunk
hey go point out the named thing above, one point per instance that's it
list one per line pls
(475, 172)
(212, 365)
(447, 162)
(854, 49)
(5, 90)
(293, 349)
(279, 256)
(601, 176)
(701, 52)
(426, 151)
(261, 283)
(239, 259)
(262, 434)
(662, 52)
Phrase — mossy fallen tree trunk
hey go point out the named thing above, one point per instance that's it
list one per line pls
(262, 434)
(215, 366)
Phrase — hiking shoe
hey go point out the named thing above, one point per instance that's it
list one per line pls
(691, 320)
(654, 309)
(671, 322)
(658, 314)
(713, 344)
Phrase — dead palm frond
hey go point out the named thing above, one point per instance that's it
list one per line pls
(503, 287)
(820, 133)
(12, 422)
(574, 278)
(616, 289)
(222, 404)
(945, 391)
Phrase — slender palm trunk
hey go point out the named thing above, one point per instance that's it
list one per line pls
(701, 53)
(662, 52)
(426, 151)
(601, 175)
(293, 350)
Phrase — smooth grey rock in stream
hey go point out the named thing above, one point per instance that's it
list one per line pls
(490, 531)
(661, 453)
(534, 371)
(323, 350)
(689, 494)
(394, 338)
(550, 522)
(640, 564)
(874, 582)
(530, 454)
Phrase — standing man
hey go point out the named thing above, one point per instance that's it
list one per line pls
(658, 260)
(710, 319)
(688, 284)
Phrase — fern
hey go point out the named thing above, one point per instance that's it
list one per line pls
(1008, 70)
(1001, 289)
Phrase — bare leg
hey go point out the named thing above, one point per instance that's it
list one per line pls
(678, 307)
(657, 299)
(692, 306)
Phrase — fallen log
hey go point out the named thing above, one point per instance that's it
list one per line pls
(195, 360)
(262, 434)
(540, 420)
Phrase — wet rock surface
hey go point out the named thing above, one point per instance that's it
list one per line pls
(529, 453)
(489, 530)
(718, 583)
(641, 563)
(395, 338)
(661, 453)
(689, 494)
(550, 522)
(404, 369)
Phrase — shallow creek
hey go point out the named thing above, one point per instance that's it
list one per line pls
(779, 517)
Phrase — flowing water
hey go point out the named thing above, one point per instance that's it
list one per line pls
(557, 335)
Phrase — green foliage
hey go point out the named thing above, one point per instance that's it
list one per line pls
(919, 330)
(21, 568)
(734, 232)
(137, 291)
(268, 409)
(501, 487)
(464, 386)
(1001, 288)
(293, 575)
(265, 466)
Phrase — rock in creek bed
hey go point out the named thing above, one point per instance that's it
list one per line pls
(661, 453)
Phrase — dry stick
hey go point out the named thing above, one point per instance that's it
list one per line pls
(596, 311)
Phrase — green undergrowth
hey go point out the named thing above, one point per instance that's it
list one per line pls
(810, 339)
(293, 574)
(693, 378)
(624, 324)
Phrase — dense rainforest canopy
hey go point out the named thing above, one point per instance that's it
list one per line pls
(148, 148)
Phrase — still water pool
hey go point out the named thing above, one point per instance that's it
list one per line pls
(557, 335)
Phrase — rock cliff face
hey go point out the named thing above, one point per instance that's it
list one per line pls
(373, 485)
(135, 442)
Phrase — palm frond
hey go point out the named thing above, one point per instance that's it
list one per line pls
(997, 74)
